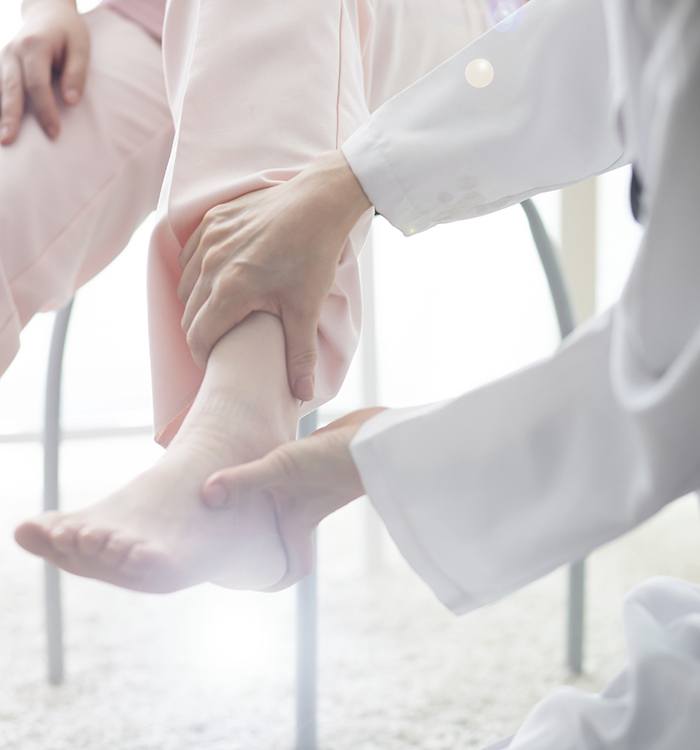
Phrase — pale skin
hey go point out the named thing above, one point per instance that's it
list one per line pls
(305, 480)
(180, 523)
(274, 250)
(154, 534)
(53, 46)
(268, 250)
(245, 271)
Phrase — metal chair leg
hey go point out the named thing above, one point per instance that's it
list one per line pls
(52, 439)
(307, 643)
(576, 620)
(565, 318)
(374, 529)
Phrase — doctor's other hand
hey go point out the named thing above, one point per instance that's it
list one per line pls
(306, 480)
(53, 43)
(274, 250)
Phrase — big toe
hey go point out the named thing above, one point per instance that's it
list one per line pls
(35, 535)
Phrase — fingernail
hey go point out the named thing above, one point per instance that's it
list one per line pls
(71, 96)
(304, 388)
(52, 132)
(215, 495)
(4, 133)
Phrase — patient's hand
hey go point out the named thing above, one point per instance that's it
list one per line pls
(306, 480)
(275, 250)
(53, 41)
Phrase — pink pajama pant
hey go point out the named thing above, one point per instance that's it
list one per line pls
(243, 95)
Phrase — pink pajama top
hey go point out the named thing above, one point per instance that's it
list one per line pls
(147, 13)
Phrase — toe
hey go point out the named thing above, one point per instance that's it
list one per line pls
(90, 541)
(115, 550)
(35, 535)
(63, 538)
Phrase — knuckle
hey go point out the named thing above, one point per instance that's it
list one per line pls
(29, 43)
(224, 288)
(214, 214)
(194, 341)
(303, 360)
(212, 259)
(243, 279)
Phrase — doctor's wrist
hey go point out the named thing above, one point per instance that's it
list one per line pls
(340, 194)
(335, 468)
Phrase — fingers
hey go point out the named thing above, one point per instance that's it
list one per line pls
(236, 485)
(301, 334)
(75, 70)
(191, 275)
(195, 299)
(12, 98)
(36, 71)
(215, 318)
(190, 248)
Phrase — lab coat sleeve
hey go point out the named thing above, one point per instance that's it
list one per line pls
(443, 150)
(493, 489)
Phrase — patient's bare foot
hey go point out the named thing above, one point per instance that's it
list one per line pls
(154, 535)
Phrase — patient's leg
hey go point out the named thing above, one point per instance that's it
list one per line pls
(235, 133)
(68, 207)
(306, 75)
(258, 89)
(153, 534)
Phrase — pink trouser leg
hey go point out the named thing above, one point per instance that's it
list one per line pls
(68, 208)
(258, 88)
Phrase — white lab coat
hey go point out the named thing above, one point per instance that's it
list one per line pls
(488, 491)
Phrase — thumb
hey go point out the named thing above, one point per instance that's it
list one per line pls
(75, 69)
(301, 334)
(231, 486)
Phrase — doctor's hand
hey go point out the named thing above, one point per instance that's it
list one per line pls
(53, 43)
(275, 250)
(306, 480)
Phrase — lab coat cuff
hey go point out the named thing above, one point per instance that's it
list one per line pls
(368, 155)
(379, 478)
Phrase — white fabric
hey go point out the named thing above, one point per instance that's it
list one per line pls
(491, 490)
(653, 703)
(545, 121)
